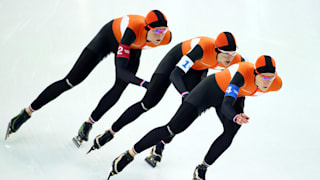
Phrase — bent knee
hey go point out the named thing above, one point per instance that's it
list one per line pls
(147, 105)
(69, 83)
(120, 84)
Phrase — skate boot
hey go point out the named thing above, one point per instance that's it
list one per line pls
(16, 122)
(155, 155)
(83, 134)
(200, 172)
(120, 163)
(101, 140)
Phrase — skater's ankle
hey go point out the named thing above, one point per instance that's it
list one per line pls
(111, 131)
(132, 152)
(205, 164)
(91, 120)
(29, 111)
(88, 121)
(161, 144)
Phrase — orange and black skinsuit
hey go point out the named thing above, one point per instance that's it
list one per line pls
(199, 51)
(125, 37)
(222, 91)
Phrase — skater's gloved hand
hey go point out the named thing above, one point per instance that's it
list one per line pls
(241, 118)
(144, 84)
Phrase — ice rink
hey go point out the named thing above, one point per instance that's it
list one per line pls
(40, 41)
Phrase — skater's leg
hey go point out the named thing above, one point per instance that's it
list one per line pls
(157, 88)
(108, 100)
(183, 118)
(113, 95)
(84, 65)
(97, 49)
(230, 129)
(186, 112)
(222, 142)
(193, 77)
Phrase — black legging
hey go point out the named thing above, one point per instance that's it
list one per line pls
(207, 94)
(102, 44)
(222, 143)
(183, 118)
(84, 65)
(113, 95)
(157, 88)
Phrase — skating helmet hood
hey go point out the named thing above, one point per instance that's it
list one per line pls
(225, 41)
(155, 18)
(265, 64)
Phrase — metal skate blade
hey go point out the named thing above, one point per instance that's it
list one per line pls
(8, 131)
(92, 148)
(76, 141)
(110, 174)
(150, 162)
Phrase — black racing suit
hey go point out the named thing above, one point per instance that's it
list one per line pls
(158, 86)
(100, 46)
(205, 95)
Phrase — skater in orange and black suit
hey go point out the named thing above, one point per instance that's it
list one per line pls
(185, 65)
(125, 37)
(224, 91)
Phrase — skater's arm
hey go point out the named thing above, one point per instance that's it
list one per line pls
(231, 96)
(186, 62)
(123, 58)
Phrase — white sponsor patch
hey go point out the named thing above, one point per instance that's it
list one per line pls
(258, 93)
(233, 69)
(185, 63)
(124, 24)
(193, 43)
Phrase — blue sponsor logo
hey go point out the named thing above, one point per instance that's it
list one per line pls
(232, 91)
(185, 64)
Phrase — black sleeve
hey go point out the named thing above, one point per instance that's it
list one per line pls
(122, 71)
(239, 104)
(228, 107)
(128, 37)
(176, 76)
(196, 53)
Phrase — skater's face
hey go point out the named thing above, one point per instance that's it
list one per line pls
(264, 80)
(226, 57)
(155, 35)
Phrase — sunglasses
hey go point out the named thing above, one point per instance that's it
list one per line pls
(229, 53)
(158, 31)
(267, 78)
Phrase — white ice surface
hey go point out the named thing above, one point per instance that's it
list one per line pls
(41, 39)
